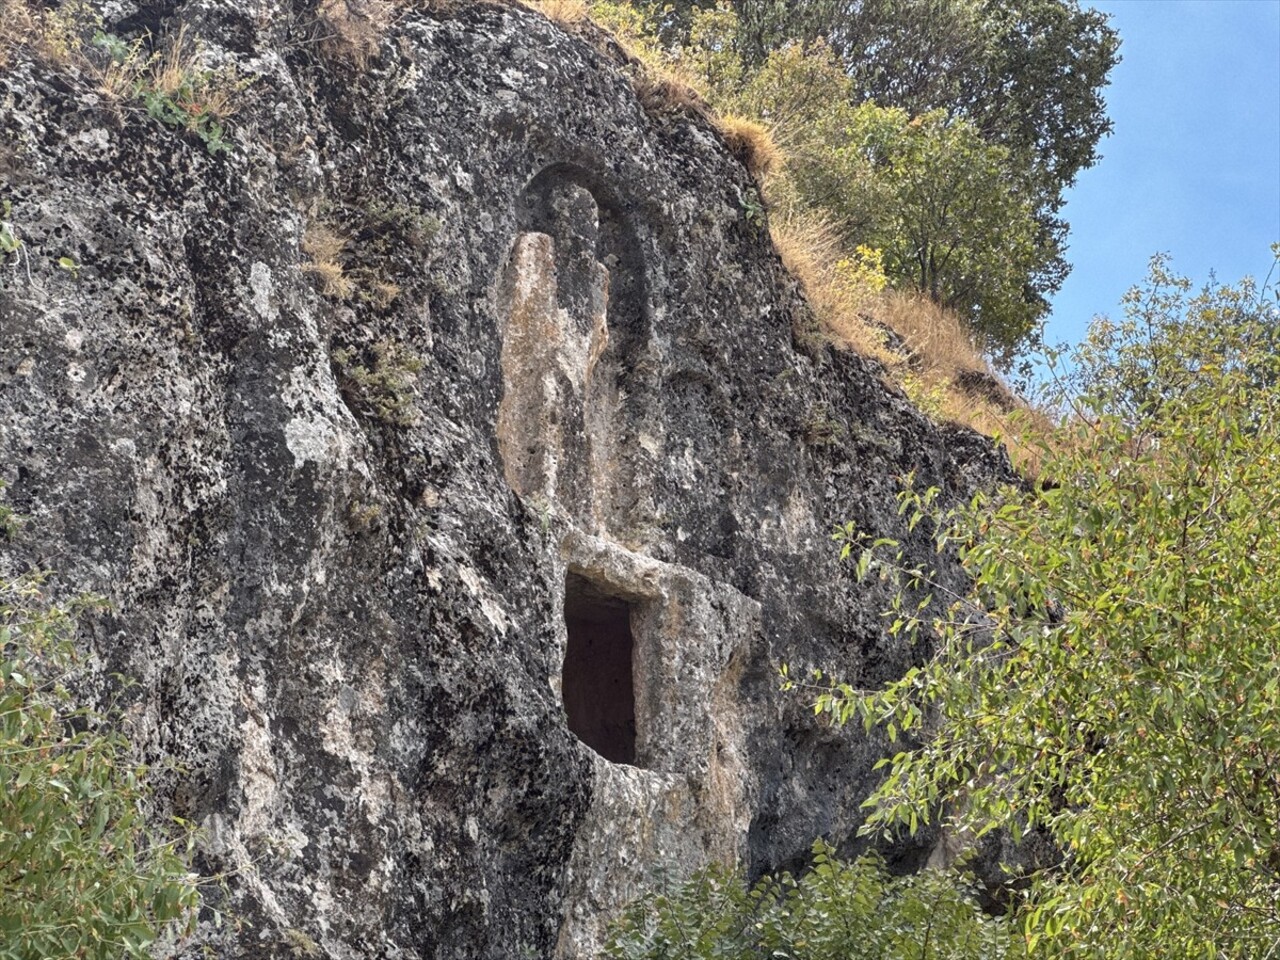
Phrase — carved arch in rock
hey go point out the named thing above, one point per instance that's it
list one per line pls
(617, 246)
(573, 305)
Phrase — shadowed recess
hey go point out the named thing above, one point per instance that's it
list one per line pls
(599, 693)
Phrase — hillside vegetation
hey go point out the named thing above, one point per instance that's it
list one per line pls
(1104, 696)
(919, 213)
(1091, 721)
(1105, 693)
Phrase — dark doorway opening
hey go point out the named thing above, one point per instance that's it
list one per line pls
(599, 693)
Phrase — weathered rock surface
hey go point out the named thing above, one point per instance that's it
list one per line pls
(340, 578)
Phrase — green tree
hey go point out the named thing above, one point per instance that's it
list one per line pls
(1028, 74)
(83, 873)
(766, 25)
(957, 226)
(928, 191)
(1113, 677)
(1023, 77)
(953, 212)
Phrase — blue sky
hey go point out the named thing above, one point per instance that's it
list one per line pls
(1193, 167)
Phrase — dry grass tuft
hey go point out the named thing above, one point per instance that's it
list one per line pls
(119, 79)
(381, 293)
(353, 29)
(662, 90)
(176, 74)
(324, 246)
(937, 343)
(565, 12)
(56, 36)
(19, 27)
(752, 143)
(946, 375)
(172, 71)
(810, 250)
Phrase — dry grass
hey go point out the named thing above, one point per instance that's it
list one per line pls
(61, 37)
(119, 80)
(55, 36)
(1020, 430)
(564, 12)
(353, 29)
(946, 375)
(19, 27)
(381, 293)
(176, 74)
(810, 250)
(325, 246)
(936, 341)
(665, 90)
(172, 71)
(927, 350)
(752, 143)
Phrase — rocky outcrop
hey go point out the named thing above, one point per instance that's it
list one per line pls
(458, 600)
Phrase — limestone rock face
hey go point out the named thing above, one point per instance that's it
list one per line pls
(457, 596)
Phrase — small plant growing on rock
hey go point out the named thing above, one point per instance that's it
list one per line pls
(929, 397)
(300, 944)
(82, 872)
(382, 387)
(753, 208)
(821, 429)
(171, 86)
(416, 227)
(364, 517)
(324, 246)
(9, 240)
(57, 36)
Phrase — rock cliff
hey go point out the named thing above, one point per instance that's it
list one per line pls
(454, 565)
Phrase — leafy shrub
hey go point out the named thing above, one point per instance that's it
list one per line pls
(836, 911)
(82, 872)
(1112, 680)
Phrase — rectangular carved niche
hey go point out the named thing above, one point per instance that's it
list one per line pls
(598, 682)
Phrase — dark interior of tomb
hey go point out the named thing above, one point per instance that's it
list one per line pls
(599, 694)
